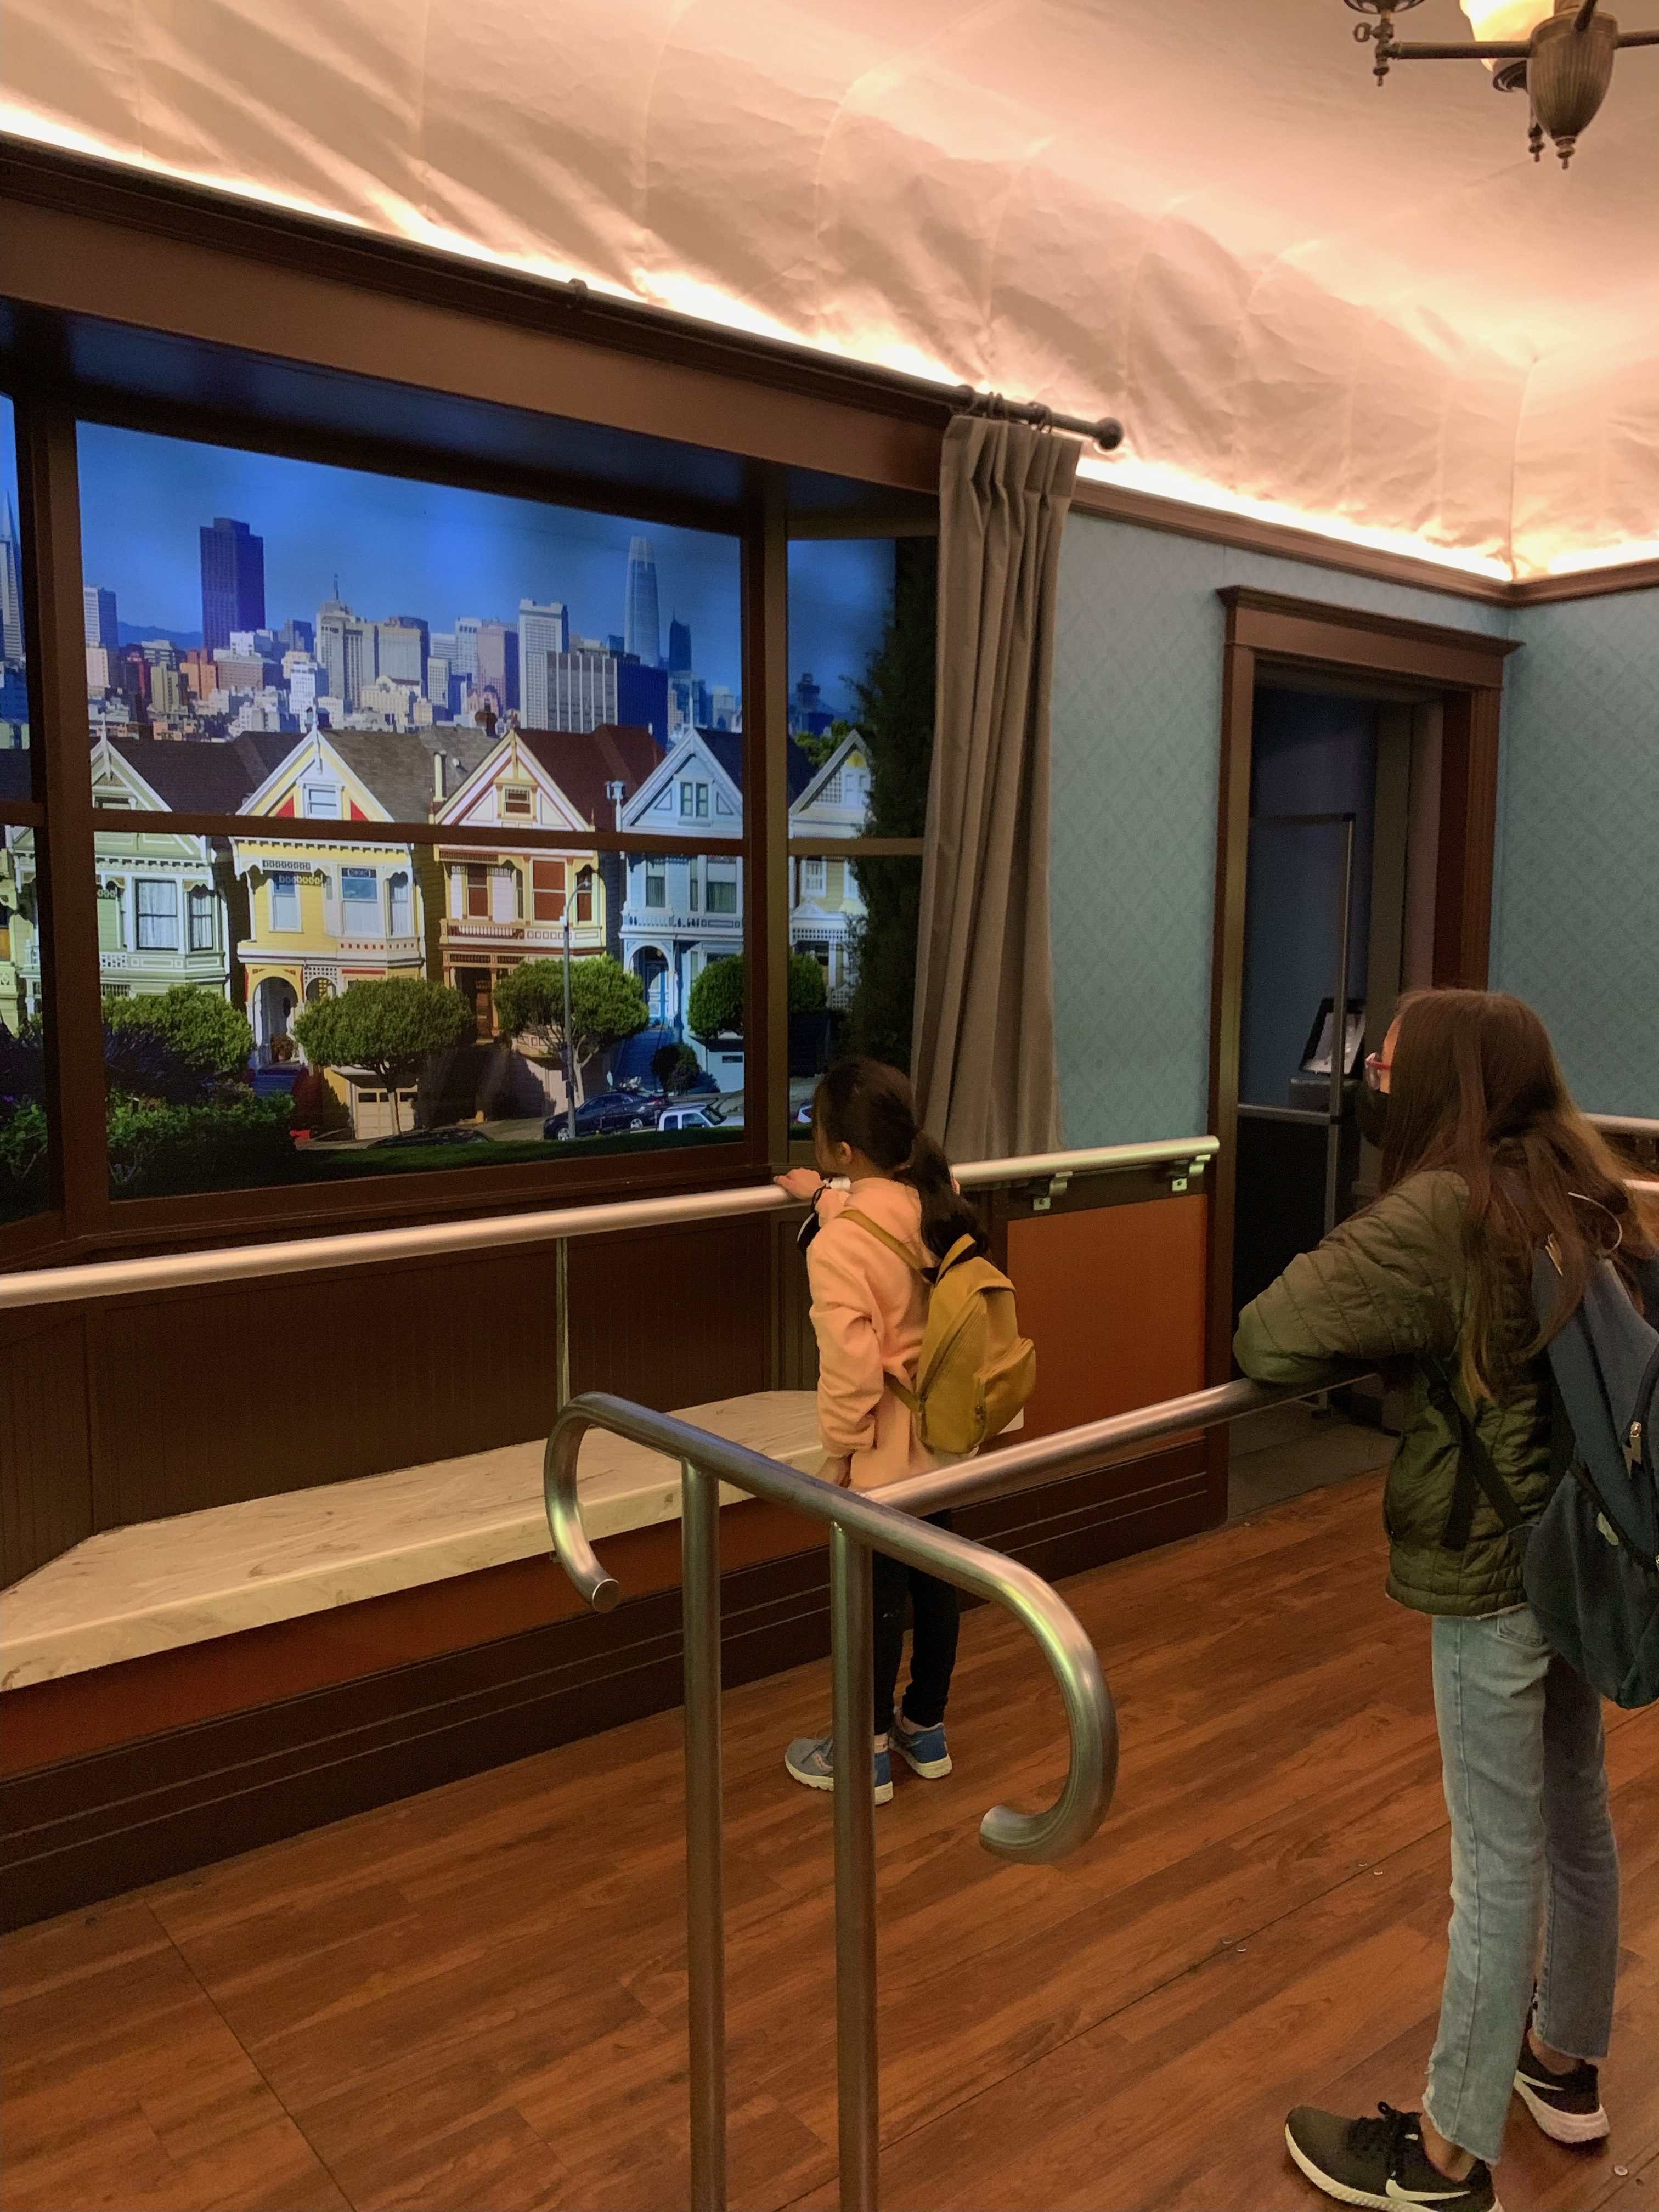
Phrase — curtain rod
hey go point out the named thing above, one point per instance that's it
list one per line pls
(1106, 431)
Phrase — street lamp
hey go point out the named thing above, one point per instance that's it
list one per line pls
(583, 885)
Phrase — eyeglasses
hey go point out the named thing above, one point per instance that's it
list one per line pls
(1376, 1068)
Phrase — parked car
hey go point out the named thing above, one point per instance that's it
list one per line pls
(610, 1113)
(687, 1117)
(457, 1134)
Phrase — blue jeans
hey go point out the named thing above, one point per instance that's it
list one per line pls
(1535, 1867)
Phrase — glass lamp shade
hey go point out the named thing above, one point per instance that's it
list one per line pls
(1506, 20)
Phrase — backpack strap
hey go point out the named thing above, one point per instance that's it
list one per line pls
(893, 1243)
(1476, 1473)
(906, 1396)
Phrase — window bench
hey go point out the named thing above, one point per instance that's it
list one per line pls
(160, 1584)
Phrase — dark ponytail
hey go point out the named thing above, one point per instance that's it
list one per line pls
(868, 1105)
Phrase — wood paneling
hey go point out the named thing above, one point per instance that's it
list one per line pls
(476, 1997)
(46, 1443)
(1114, 1298)
(185, 1758)
(169, 1404)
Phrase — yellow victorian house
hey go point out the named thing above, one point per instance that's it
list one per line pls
(323, 912)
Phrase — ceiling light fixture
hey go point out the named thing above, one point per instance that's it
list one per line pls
(1561, 56)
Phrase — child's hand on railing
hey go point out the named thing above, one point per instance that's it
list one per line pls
(838, 1470)
(802, 1184)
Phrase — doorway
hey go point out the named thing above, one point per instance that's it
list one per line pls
(1358, 792)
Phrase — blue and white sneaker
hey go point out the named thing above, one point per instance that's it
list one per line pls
(810, 1759)
(923, 1749)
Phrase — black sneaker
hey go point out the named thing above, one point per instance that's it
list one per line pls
(1567, 2106)
(1380, 2162)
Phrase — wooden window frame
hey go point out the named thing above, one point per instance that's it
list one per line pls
(83, 1221)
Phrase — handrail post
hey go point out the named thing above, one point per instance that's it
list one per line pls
(857, 2073)
(705, 1888)
(561, 1323)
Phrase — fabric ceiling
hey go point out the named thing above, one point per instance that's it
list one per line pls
(1363, 310)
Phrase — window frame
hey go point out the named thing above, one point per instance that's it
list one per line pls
(88, 1217)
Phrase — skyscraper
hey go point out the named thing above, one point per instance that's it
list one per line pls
(102, 628)
(400, 649)
(641, 625)
(345, 650)
(11, 590)
(581, 689)
(466, 646)
(497, 660)
(642, 699)
(232, 580)
(679, 647)
(542, 630)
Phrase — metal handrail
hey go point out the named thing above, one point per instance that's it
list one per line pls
(857, 1525)
(110, 1278)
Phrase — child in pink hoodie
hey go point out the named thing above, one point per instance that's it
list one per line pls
(869, 1311)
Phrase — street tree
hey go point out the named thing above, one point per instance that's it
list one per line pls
(392, 1028)
(607, 1004)
(716, 1005)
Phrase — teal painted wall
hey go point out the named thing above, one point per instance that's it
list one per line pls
(1576, 909)
(1137, 725)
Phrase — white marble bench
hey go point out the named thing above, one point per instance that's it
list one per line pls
(161, 1583)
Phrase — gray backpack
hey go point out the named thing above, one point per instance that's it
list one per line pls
(1590, 1560)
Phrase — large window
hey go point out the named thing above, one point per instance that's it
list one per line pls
(290, 643)
(420, 837)
(25, 1137)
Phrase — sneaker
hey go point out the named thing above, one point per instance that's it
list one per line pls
(1567, 2106)
(1380, 2162)
(810, 1759)
(922, 1748)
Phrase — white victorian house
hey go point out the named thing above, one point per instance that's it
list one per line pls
(682, 910)
(825, 906)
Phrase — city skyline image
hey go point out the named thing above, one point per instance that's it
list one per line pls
(397, 549)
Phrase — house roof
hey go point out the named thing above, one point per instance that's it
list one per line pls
(581, 763)
(727, 746)
(197, 776)
(396, 765)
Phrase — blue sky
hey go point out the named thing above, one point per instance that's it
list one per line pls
(404, 547)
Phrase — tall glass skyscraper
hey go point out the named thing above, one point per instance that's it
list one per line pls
(232, 580)
(641, 625)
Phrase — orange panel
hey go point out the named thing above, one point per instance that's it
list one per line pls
(1114, 1300)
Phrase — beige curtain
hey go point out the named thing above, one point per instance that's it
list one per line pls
(983, 1057)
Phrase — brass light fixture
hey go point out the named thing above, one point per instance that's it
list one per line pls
(1565, 65)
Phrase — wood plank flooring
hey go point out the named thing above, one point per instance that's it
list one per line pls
(473, 2000)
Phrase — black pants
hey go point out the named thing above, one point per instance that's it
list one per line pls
(933, 1608)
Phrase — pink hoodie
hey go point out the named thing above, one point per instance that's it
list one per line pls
(869, 1310)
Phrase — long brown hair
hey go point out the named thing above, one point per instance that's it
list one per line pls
(869, 1105)
(1476, 1086)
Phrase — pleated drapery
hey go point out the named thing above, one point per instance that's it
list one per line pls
(984, 1058)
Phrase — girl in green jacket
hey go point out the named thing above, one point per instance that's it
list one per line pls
(1485, 1159)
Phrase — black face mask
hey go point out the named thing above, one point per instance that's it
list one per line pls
(1370, 1111)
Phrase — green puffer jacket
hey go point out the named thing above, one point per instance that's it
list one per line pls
(1386, 1285)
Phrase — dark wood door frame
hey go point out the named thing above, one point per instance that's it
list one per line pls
(1267, 630)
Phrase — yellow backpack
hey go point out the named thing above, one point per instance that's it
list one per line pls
(975, 1371)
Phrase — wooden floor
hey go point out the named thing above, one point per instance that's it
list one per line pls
(474, 1999)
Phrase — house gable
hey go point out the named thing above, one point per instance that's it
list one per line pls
(311, 773)
(656, 804)
(479, 802)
